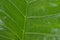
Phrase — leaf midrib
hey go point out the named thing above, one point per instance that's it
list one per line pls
(25, 20)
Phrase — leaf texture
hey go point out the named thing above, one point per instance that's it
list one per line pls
(29, 19)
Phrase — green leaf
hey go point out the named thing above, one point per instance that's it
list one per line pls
(29, 19)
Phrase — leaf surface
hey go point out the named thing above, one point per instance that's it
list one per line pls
(29, 19)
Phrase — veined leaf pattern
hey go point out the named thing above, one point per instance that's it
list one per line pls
(29, 19)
